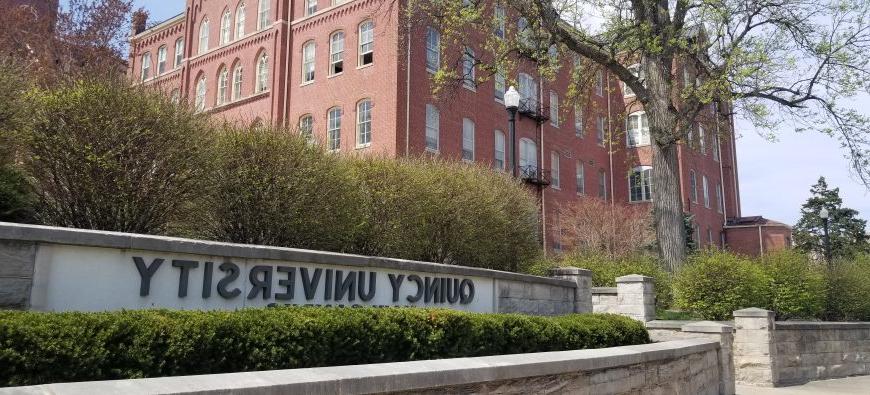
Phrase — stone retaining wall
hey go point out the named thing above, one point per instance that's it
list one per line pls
(807, 351)
(678, 367)
(604, 300)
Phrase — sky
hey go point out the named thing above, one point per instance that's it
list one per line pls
(775, 177)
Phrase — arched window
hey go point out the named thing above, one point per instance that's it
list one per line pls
(498, 160)
(308, 62)
(240, 21)
(528, 156)
(263, 73)
(336, 53)
(636, 70)
(203, 37)
(222, 86)
(693, 186)
(237, 83)
(263, 20)
(226, 27)
(366, 43)
(640, 184)
(199, 103)
(179, 52)
(146, 66)
(306, 126)
(706, 189)
(364, 123)
(637, 129)
(333, 129)
(161, 60)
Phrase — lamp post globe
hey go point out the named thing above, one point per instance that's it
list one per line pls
(512, 98)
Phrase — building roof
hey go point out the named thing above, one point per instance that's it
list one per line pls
(755, 220)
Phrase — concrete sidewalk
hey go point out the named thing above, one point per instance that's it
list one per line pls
(848, 386)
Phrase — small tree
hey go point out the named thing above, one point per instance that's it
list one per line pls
(106, 155)
(846, 231)
(592, 225)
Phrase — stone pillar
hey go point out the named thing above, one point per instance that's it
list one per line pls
(17, 260)
(583, 292)
(636, 297)
(725, 335)
(754, 347)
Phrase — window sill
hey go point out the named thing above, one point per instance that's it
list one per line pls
(469, 87)
(556, 187)
(434, 151)
(363, 146)
(639, 201)
(638, 145)
(307, 83)
(430, 70)
(500, 101)
(468, 160)
(334, 75)
(365, 66)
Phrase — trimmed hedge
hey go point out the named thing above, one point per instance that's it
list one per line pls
(40, 348)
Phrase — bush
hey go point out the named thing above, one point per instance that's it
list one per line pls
(797, 286)
(106, 155)
(446, 212)
(715, 283)
(850, 289)
(16, 198)
(605, 271)
(272, 187)
(40, 348)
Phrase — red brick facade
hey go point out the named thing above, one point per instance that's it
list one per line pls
(397, 84)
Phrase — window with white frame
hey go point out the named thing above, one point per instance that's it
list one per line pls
(555, 170)
(693, 186)
(499, 17)
(499, 157)
(308, 62)
(203, 37)
(715, 147)
(263, 20)
(706, 191)
(528, 156)
(709, 236)
(306, 126)
(600, 130)
(175, 96)
(237, 83)
(433, 49)
(201, 88)
(578, 121)
(702, 140)
(222, 86)
(364, 123)
(310, 7)
(690, 138)
(640, 184)
(333, 129)
(226, 27)
(602, 184)
(240, 21)
(500, 84)
(161, 60)
(336, 53)
(433, 128)
(599, 83)
(469, 80)
(524, 32)
(637, 71)
(554, 109)
(637, 129)
(467, 139)
(528, 89)
(262, 73)
(146, 66)
(580, 175)
(719, 201)
(366, 43)
(179, 52)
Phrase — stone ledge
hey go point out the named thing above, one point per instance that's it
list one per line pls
(634, 278)
(387, 377)
(813, 325)
(604, 291)
(94, 238)
(753, 312)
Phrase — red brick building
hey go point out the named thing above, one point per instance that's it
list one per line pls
(344, 72)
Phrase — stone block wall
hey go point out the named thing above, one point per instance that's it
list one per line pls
(604, 300)
(664, 331)
(807, 351)
(534, 298)
(16, 273)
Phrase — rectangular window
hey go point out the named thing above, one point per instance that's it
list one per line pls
(555, 173)
(469, 79)
(161, 60)
(599, 130)
(237, 83)
(146, 66)
(602, 184)
(364, 123)
(581, 178)
(702, 140)
(467, 140)
(333, 130)
(499, 18)
(179, 52)
(578, 121)
(310, 7)
(640, 185)
(693, 186)
(715, 148)
(599, 83)
(433, 50)
(554, 109)
(637, 130)
(500, 85)
(308, 62)
(433, 128)
(498, 160)
(636, 71)
(366, 43)
(336, 53)
(719, 201)
(706, 190)
(263, 20)
(528, 89)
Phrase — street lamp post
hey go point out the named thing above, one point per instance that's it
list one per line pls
(511, 104)
(825, 216)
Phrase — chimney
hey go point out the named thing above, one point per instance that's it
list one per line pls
(139, 21)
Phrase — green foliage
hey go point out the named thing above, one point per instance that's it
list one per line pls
(605, 271)
(38, 348)
(847, 232)
(16, 198)
(797, 286)
(272, 187)
(714, 284)
(850, 289)
(106, 155)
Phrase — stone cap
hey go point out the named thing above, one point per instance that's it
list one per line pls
(753, 312)
(820, 325)
(604, 291)
(707, 327)
(634, 278)
(570, 271)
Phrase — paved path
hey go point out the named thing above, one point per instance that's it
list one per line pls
(848, 386)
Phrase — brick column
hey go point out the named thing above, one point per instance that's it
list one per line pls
(583, 292)
(725, 335)
(636, 297)
(754, 347)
